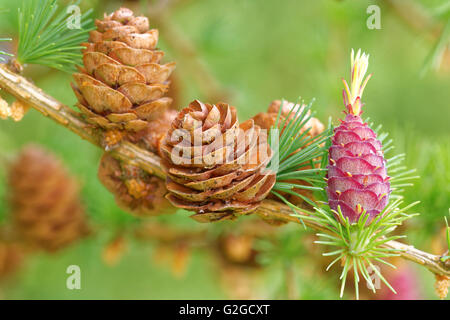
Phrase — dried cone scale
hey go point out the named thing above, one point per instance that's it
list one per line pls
(216, 166)
(122, 86)
(267, 120)
(357, 177)
(45, 203)
(135, 191)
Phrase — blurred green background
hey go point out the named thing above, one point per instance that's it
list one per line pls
(257, 51)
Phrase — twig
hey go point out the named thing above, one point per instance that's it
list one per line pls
(24, 90)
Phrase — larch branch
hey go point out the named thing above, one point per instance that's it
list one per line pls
(24, 90)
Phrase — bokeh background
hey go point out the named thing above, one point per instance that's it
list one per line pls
(250, 53)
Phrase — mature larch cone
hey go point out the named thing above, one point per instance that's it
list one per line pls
(267, 120)
(135, 190)
(122, 86)
(357, 177)
(46, 207)
(216, 166)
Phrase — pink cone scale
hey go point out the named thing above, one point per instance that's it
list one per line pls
(357, 178)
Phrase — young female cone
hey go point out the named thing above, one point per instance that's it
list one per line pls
(357, 176)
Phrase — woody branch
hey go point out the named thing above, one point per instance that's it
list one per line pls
(35, 97)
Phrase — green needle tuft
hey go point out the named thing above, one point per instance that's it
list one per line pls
(296, 151)
(45, 37)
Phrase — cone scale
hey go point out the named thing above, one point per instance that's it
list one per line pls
(357, 178)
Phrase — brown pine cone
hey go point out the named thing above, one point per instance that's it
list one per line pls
(219, 174)
(123, 84)
(268, 119)
(135, 191)
(45, 202)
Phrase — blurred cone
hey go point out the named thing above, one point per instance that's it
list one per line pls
(5, 110)
(176, 255)
(238, 249)
(114, 250)
(46, 207)
(181, 255)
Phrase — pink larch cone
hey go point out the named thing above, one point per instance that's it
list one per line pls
(357, 177)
